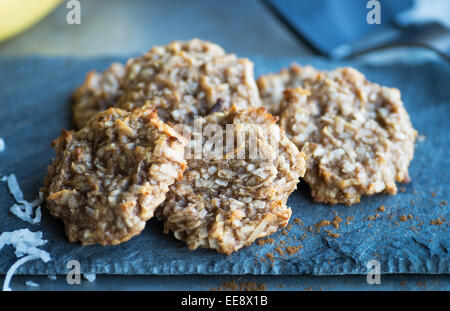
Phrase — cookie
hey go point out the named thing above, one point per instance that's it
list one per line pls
(187, 79)
(271, 86)
(357, 135)
(108, 178)
(231, 195)
(99, 92)
(181, 80)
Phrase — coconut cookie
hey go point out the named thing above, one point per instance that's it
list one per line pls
(271, 86)
(187, 79)
(98, 92)
(357, 136)
(108, 178)
(231, 196)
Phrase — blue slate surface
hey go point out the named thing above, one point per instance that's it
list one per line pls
(34, 107)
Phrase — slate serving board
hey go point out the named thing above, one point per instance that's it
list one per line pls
(34, 107)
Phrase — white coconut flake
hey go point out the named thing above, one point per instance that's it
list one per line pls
(2, 144)
(90, 276)
(21, 212)
(13, 186)
(26, 244)
(23, 209)
(31, 284)
(13, 269)
(421, 138)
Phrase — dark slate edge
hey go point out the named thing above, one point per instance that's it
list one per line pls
(393, 265)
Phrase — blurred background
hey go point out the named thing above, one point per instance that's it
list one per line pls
(272, 28)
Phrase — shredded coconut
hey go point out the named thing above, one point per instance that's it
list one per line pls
(421, 138)
(23, 209)
(31, 284)
(52, 277)
(2, 144)
(90, 276)
(26, 243)
(13, 269)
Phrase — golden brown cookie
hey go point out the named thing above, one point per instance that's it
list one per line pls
(357, 135)
(271, 86)
(180, 80)
(232, 195)
(187, 79)
(109, 177)
(98, 92)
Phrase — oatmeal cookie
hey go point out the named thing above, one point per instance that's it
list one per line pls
(271, 86)
(98, 92)
(108, 178)
(231, 196)
(187, 79)
(357, 136)
(180, 80)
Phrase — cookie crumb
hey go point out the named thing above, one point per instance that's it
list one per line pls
(336, 221)
(332, 234)
(322, 223)
(348, 220)
(373, 217)
(292, 250)
(403, 217)
(261, 242)
(270, 256)
(279, 251)
(243, 286)
(438, 221)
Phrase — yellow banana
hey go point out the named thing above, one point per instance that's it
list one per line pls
(18, 15)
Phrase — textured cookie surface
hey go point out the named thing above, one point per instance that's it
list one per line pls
(230, 197)
(98, 92)
(180, 80)
(271, 86)
(187, 79)
(356, 135)
(108, 178)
